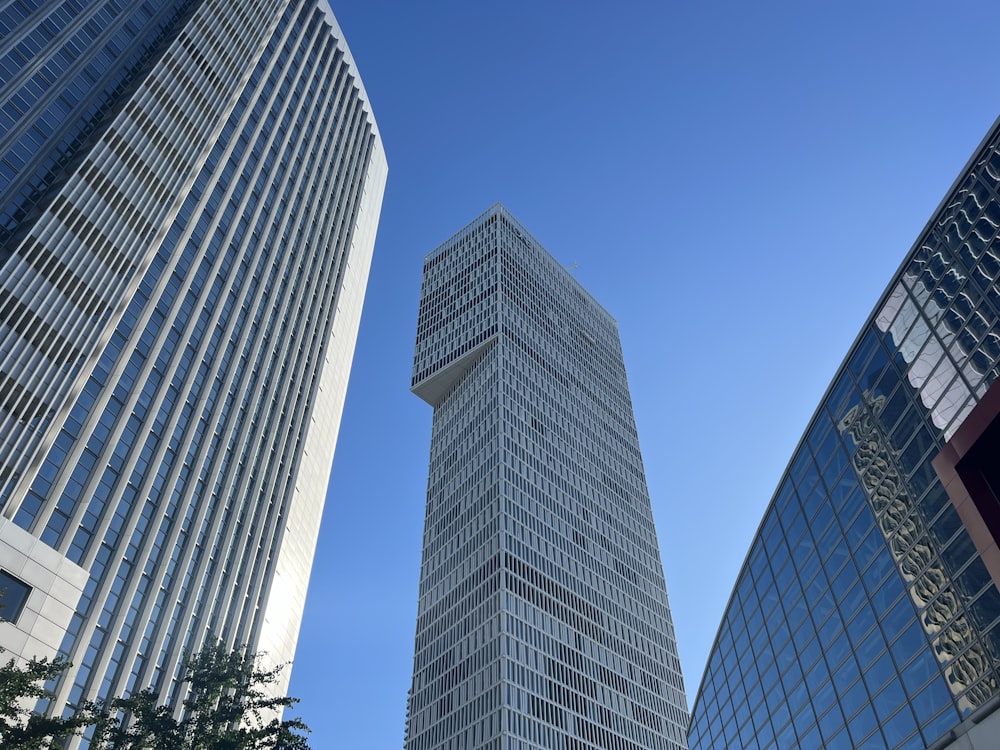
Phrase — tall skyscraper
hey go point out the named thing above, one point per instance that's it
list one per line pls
(189, 193)
(867, 614)
(543, 619)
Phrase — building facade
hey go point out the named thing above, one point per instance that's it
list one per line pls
(867, 613)
(543, 619)
(189, 194)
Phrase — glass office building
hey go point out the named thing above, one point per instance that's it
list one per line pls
(543, 619)
(867, 613)
(189, 193)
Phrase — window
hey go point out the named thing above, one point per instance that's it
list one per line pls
(13, 594)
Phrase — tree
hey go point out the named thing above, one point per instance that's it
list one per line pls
(21, 687)
(229, 706)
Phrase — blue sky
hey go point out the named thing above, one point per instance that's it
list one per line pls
(736, 181)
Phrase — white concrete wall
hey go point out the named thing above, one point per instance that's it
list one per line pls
(979, 731)
(56, 587)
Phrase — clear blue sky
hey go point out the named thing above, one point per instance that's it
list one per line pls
(737, 182)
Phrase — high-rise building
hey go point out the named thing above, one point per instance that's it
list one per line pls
(867, 613)
(189, 193)
(543, 619)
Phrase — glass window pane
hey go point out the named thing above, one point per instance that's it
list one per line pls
(13, 596)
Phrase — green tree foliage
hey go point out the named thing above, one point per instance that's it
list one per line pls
(230, 706)
(20, 689)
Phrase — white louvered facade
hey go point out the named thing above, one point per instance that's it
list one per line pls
(179, 300)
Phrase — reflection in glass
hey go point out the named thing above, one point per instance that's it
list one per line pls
(968, 668)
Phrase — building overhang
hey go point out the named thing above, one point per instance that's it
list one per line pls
(434, 388)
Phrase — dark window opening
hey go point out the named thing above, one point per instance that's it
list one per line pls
(969, 469)
(13, 595)
(980, 472)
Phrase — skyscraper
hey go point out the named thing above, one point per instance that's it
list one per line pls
(867, 613)
(189, 193)
(543, 619)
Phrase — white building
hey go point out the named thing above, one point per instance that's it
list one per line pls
(189, 194)
(543, 619)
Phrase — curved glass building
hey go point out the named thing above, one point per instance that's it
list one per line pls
(867, 613)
